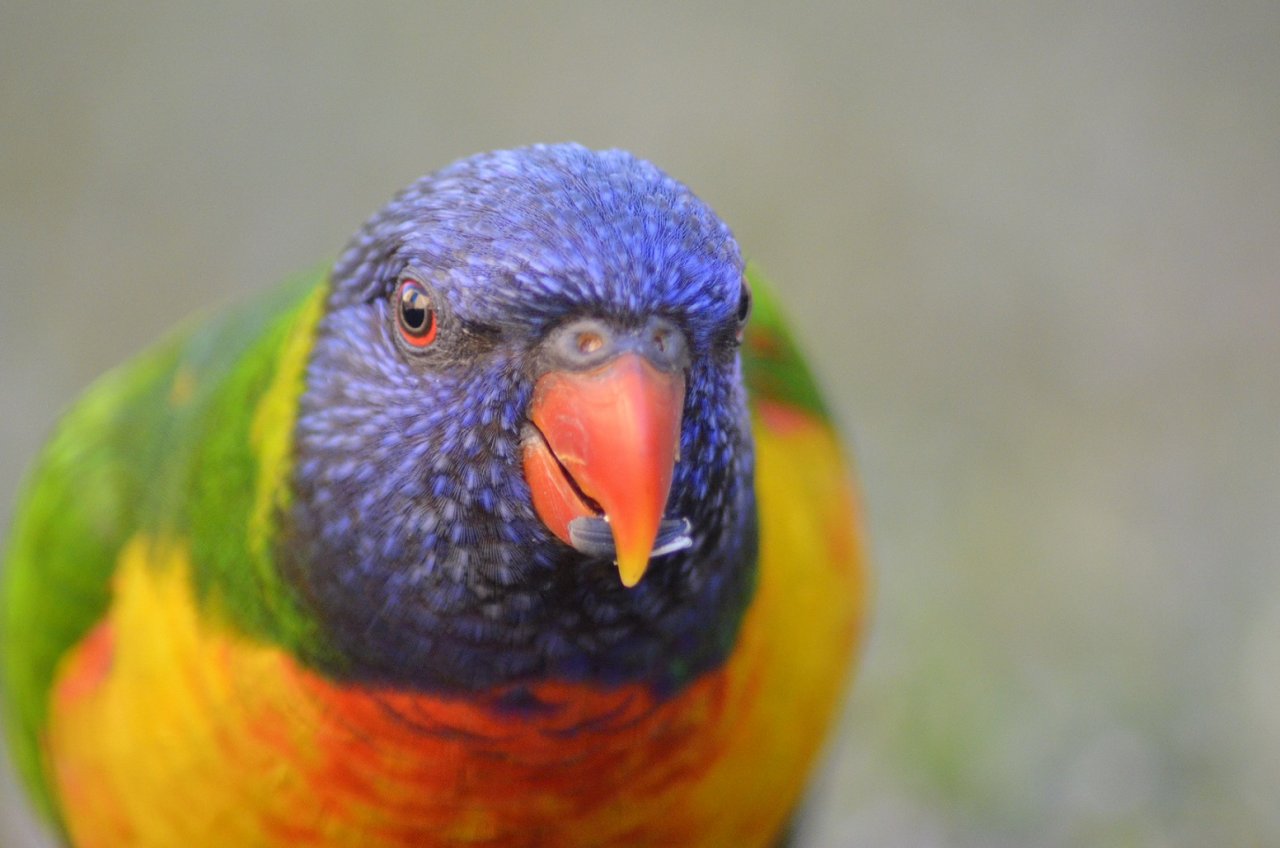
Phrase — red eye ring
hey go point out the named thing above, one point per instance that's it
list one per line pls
(415, 314)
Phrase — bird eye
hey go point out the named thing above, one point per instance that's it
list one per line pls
(415, 313)
(744, 307)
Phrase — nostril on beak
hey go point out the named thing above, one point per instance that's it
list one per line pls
(665, 344)
(589, 342)
(584, 343)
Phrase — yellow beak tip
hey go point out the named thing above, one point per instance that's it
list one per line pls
(632, 568)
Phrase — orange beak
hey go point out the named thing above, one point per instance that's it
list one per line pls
(609, 440)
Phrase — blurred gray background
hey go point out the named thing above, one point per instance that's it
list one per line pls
(1033, 249)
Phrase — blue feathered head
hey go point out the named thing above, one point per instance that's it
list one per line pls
(523, 449)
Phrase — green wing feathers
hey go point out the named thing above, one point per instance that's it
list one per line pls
(772, 364)
(77, 509)
(123, 460)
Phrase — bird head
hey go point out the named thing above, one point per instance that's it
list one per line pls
(523, 447)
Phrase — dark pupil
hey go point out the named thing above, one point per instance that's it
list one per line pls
(413, 309)
(744, 304)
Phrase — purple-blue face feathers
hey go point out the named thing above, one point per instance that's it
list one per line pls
(412, 538)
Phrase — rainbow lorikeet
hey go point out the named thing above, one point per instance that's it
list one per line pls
(514, 528)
